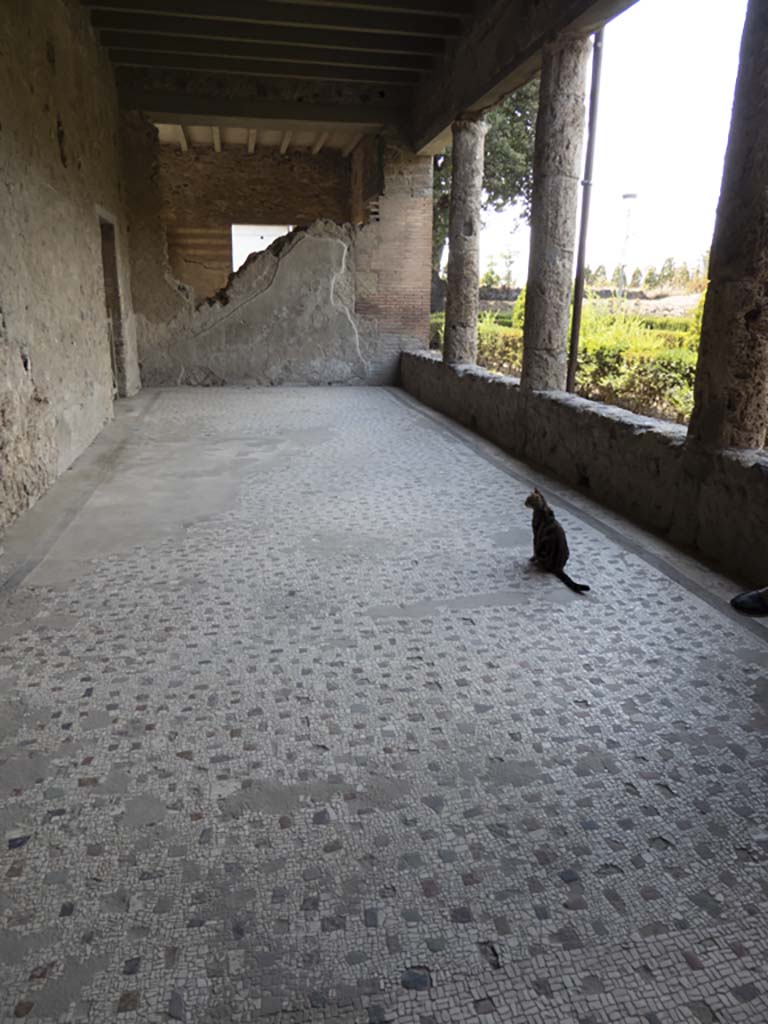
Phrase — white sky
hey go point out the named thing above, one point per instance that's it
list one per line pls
(248, 238)
(669, 68)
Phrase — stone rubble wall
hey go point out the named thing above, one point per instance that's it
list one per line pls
(59, 171)
(714, 503)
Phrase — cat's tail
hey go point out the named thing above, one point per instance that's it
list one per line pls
(580, 588)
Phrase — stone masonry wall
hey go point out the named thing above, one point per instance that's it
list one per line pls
(393, 255)
(384, 281)
(59, 171)
(204, 193)
(715, 503)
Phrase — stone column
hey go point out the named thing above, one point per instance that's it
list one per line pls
(731, 392)
(557, 161)
(460, 341)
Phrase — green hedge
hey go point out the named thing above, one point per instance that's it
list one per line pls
(623, 360)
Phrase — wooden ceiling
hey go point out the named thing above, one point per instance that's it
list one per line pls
(354, 41)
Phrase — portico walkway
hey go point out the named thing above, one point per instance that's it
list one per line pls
(292, 730)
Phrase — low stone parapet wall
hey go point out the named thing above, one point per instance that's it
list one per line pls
(714, 503)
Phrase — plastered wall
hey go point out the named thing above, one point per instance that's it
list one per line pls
(59, 171)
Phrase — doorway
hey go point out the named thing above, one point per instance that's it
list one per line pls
(112, 302)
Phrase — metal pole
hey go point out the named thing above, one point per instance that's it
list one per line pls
(578, 289)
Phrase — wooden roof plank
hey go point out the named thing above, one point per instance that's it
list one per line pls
(270, 12)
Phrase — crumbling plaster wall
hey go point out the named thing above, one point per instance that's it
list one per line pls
(59, 169)
(372, 278)
(713, 502)
(286, 317)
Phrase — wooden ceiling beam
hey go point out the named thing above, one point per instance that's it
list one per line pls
(304, 15)
(351, 144)
(277, 35)
(140, 91)
(226, 48)
(260, 69)
(319, 142)
(457, 8)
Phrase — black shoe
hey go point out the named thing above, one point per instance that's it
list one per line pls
(751, 603)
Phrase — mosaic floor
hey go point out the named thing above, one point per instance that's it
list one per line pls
(291, 730)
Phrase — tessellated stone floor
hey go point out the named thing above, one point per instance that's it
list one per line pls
(290, 730)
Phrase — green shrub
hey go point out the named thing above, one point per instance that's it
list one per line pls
(668, 323)
(645, 364)
(518, 311)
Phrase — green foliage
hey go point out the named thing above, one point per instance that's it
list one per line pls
(637, 278)
(645, 364)
(667, 273)
(508, 172)
(698, 315)
(518, 311)
(619, 278)
(651, 278)
(508, 259)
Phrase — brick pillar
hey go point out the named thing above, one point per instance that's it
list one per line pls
(460, 344)
(554, 208)
(731, 393)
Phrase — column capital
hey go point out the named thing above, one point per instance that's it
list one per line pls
(470, 119)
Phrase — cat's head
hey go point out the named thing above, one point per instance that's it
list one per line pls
(535, 499)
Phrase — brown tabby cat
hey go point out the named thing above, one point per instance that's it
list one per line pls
(550, 548)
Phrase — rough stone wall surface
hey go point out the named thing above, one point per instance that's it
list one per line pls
(393, 257)
(60, 170)
(731, 394)
(158, 298)
(557, 167)
(463, 295)
(634, 464)
(287, 317)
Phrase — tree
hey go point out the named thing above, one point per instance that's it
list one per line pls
(490, 278)
(682, 276)
(508, 174)
(508, 259)
(589, 275)
(619, 278)
(637, 278)
(667, 273)
(651, 278)
(601, 276)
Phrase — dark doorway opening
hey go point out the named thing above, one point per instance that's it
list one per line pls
(112, 301)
